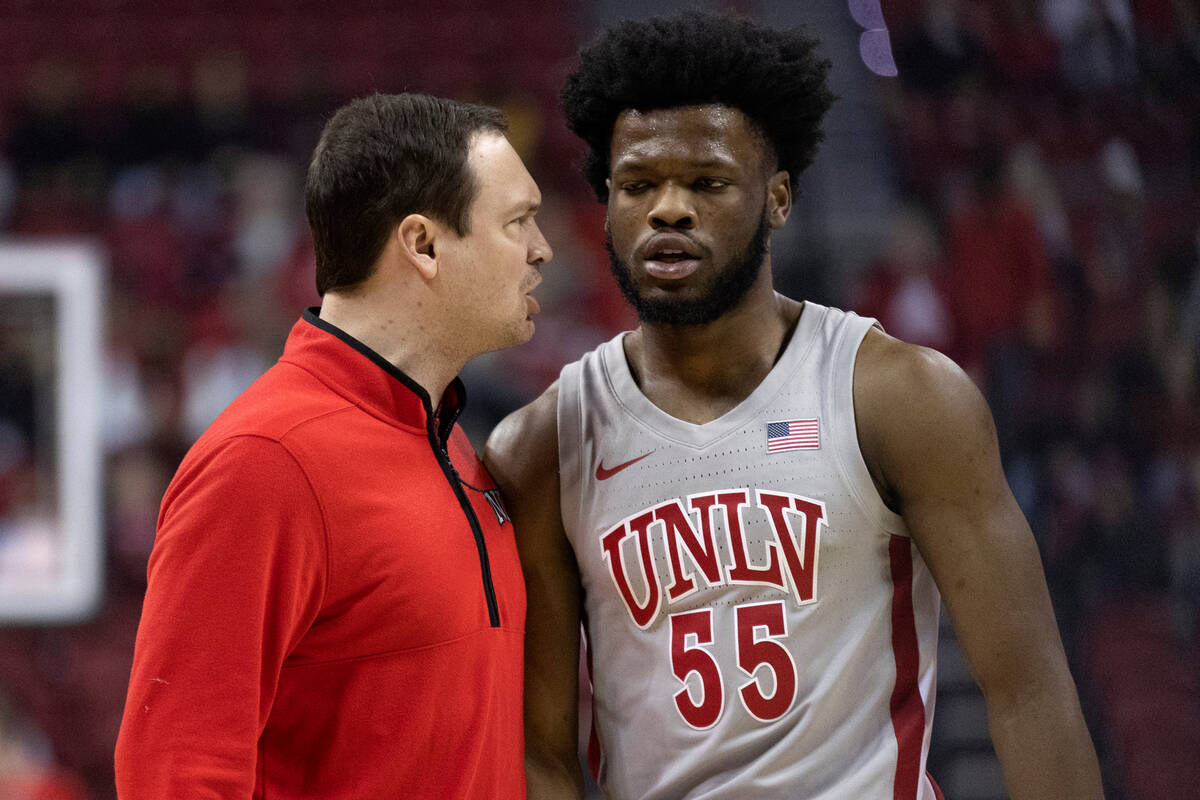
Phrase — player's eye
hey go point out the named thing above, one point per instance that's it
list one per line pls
(634, 187)
(711, 183)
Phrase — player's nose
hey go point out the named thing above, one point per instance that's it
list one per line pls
(672, 208)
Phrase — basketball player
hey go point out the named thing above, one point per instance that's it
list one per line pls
(755, 504)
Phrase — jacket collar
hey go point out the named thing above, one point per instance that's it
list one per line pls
(352, 369)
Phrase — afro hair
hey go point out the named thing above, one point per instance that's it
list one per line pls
(772, 76)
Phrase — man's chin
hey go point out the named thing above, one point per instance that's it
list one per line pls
(516, 334)
(527, 331)
(683, 306)
(522, 332)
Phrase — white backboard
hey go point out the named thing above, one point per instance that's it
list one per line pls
(51, 356)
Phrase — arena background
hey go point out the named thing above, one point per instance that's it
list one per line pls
(1023, 195)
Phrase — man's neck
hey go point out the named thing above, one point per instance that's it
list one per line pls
(697, 373)
(394, 329)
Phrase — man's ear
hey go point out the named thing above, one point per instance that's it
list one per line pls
(416, 235)
(779, 198)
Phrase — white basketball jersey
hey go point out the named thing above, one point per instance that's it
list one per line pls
(759, 624)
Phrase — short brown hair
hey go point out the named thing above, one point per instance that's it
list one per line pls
(379, 159)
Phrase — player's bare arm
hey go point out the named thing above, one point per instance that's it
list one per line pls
(522, 456)
(928, 438)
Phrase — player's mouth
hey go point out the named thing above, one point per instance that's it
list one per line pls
(670, 256)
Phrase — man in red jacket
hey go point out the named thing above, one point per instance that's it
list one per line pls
(335, 606)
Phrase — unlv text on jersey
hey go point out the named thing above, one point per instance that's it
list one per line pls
(794, 521)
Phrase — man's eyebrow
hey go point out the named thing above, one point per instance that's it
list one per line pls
(635, 164)
(525, 206)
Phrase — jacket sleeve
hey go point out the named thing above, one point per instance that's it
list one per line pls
(236, 578)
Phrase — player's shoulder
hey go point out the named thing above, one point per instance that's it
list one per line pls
(525, 443)
(901, 375)
(913, 404)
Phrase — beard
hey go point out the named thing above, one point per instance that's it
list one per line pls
(726, 290)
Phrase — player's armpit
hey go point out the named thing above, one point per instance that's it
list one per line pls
(927, 435)
(522, 456)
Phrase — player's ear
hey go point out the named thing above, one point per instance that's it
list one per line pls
(417, 237)
(779, 198)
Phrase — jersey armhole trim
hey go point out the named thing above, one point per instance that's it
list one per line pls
(848, 452)
(569, 420)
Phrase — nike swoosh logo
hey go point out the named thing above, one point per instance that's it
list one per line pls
(603, 474)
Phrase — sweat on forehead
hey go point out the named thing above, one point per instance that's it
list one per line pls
(705, 134)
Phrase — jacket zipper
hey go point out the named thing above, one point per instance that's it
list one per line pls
(438, 435)
(485, 565)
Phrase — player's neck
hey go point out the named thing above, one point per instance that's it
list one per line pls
(698, 373)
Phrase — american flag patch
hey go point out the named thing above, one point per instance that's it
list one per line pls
(793, 434)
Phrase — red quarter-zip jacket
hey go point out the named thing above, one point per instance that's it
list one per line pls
(335, 606)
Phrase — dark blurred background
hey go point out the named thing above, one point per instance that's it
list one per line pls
(1023, 196)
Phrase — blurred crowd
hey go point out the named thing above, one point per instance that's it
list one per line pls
(1049, 240)
(1046, 234)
